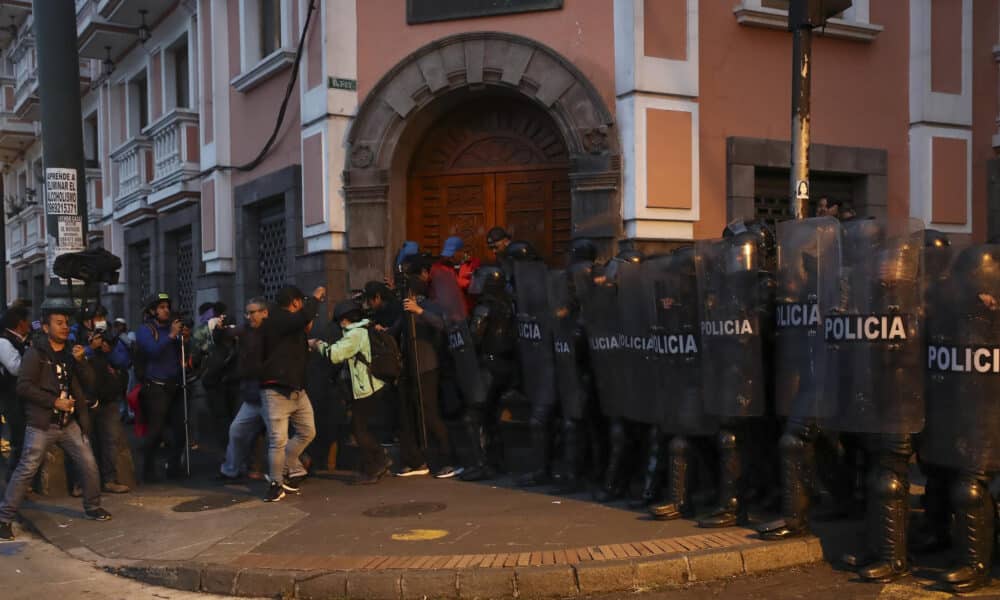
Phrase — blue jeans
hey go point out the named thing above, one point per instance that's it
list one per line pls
(249, 422)
(36, 444)
(280, 411)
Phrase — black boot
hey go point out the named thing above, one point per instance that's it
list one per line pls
(678, 503)
(614, 484)
(571, 481)
(540, 448)
(975, 523)
(653, 478)
(794, 495)
(480, 469)
(887, 519)
(931, 535)
(731, 510)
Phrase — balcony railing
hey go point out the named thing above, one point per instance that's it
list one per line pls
(133, 162)
(175, 147)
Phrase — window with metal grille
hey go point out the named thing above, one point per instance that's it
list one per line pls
(271, 252)
(142, 271)
(771, 191)
(185, 274)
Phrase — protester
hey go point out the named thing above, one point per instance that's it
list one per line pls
(355, 349)
(159, 363)
(249, 420)
(13, 345)
(51, 384)
(282, 381)
(421, 392)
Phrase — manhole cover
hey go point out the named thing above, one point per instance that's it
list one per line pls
(213, 502)
(408, 509)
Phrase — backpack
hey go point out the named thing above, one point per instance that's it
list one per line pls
(387, 360)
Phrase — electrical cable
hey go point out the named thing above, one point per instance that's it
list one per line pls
(253, 164)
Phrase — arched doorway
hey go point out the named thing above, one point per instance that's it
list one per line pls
(433, 85)
(493, 161)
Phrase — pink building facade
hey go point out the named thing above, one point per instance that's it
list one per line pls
(655, 121)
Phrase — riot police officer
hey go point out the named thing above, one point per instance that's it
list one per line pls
(492, 330)
(735, 288)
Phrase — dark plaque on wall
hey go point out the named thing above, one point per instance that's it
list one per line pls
(428, 11)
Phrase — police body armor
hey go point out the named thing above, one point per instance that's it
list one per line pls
(534, 332)
(963, 361)
(874, 335)
(808, 287)
(462, 350)
(568, 349)
(671, 294)
(733, 301)
(638, 380)
(598, 295)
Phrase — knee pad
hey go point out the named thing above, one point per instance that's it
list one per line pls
(616, 432)
(791, 443)
(571, 427)
(890, 485)
(967, 492)
(679, 446)
(726, 440)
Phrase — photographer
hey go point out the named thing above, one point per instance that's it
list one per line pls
(214, 357)
(109, 359)
(158, 364)
(249, 420)
(51, 382)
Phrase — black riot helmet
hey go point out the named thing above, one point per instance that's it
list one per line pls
(937, 253)
(488, 279)
(936, 239)
(758, 233)
(625, 256)
(582, 250)
(521, 250)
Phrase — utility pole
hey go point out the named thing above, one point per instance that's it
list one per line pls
(803, 17)
(62, 133)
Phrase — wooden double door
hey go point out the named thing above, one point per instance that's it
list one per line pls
(531, 204)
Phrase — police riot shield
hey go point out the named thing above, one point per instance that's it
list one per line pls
(874, 335)
(732, 299)
(808, 287)
(598, 298)
(462, 350)
(566, 339)
(963, 363)
(534, 332)
(635, 322)
(671, 292)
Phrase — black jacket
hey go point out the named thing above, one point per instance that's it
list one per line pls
(285, 347)
(38, 385)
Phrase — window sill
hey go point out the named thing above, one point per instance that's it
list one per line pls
(772, 18)
(267, 68)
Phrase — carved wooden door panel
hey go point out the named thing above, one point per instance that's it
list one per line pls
(447, 205)
(535, 207)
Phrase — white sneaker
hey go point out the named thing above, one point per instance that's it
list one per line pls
(411, 472)
(448, 472)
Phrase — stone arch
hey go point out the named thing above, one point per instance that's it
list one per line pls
(443, 74)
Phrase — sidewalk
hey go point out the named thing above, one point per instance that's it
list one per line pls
(415, 537)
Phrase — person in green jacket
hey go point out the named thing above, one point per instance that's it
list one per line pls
(355, 349)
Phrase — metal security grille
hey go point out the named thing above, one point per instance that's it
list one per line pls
(771, 189)
(185, 274)
(271, 252)
(144, 271)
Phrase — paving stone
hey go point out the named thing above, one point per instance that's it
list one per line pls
(418, 585)
(479, 584)
(708, 565)
(260, 583)
(322, 587)
(379, 585)
(603, 577)
(219, 579)
(545, 582)
(659, 571)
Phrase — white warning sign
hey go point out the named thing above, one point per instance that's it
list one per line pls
(60, 191)
(70, 230)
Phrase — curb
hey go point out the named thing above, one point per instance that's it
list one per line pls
(549, 581)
